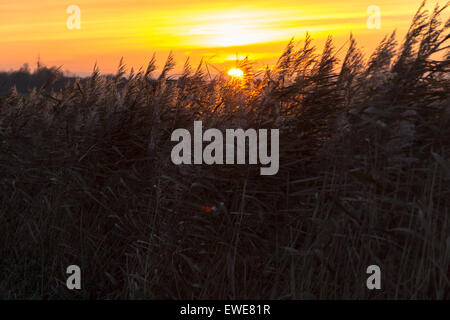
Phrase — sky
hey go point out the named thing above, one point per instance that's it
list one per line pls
(218, 31)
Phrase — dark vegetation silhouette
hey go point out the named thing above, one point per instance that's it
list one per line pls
(24, 80)
(86, 179)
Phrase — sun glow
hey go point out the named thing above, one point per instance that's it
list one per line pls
(213, 30)
(231, 33)
(236, 73)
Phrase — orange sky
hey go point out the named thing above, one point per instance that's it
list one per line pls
(216, 30)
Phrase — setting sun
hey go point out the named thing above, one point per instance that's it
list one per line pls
(215, 150)
(236, 73)
(200, 29)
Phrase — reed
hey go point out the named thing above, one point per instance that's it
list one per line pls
(364, 178)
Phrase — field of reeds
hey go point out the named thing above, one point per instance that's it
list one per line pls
(86, 179)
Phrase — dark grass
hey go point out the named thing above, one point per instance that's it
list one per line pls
(86, 178)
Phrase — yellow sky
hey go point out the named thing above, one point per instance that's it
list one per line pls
(216, 30)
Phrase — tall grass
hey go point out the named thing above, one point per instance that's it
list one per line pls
(86, 179)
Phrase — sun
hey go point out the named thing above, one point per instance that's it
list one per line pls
(236, 73)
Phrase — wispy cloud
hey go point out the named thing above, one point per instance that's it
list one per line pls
(133, 27)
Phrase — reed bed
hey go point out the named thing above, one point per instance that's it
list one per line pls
(86, 179)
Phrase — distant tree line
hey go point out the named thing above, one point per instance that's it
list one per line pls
(48, 79)
(25, 80)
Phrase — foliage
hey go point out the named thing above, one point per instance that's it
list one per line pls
(86, 179)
